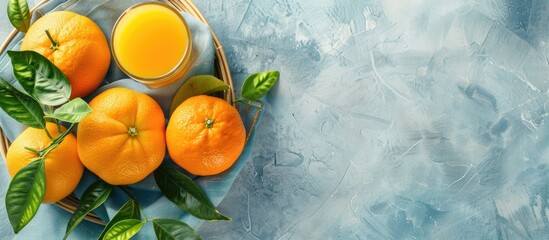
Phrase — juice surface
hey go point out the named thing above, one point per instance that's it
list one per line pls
(150, 40)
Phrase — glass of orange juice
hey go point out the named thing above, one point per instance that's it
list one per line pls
(151, 42)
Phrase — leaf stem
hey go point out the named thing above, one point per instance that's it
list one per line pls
(241, 100)
(59, 130)
(50, 110)
(32, 150)
(56, 141)
(54, 44)
(65, 133)
(250, 103)
(127, 192)
(48, 133)
(145, 218)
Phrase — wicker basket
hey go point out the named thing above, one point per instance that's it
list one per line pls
(71, 202)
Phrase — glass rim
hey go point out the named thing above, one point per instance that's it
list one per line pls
(182, 62)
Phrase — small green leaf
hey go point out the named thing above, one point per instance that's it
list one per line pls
(130, 210)
(172, 229)
(259, 84)
(197, 85)
(21, 106)
(25, 194)
(124, 229)
(184, 192)
(40, 78)
(92, 198)
(72, 112)
(19, 14)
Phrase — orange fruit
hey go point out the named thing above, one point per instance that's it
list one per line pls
(122, 140)
(63, 168)
(82, 53)
(205, 135)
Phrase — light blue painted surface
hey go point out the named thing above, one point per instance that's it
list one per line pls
(421, 119)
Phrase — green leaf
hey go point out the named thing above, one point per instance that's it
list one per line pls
(40, 78)
(258, 84)
(21, 106)
(92, 198)
(72, 112)
(124, 229)
(184, 192)
(130, 210)
(197, 85)
(25, 194)
(19, 14)
(172, 229)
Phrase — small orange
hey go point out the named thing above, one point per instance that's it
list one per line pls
(205, 135)
(122, 140)
(82, 51)
(63, 168)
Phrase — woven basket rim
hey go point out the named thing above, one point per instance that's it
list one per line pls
(71, 202)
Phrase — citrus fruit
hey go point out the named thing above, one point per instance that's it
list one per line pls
(122, 140)
(79, 49)
(205, 135)
(63, 169)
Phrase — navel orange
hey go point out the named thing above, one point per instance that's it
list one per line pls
(205, 135)
(122, 140)
(79, 49)
(63, 168)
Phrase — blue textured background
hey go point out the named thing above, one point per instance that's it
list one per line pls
(418, 119)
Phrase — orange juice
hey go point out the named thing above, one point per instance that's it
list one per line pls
(151, 42)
